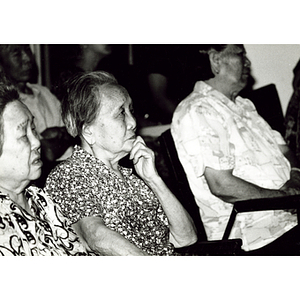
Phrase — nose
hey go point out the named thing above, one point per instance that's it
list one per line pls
(247, 62)
(35, 141)
(25, 57)
(131, 122)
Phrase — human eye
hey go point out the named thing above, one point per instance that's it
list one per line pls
(33, 130)
(24, 136)
(16, 52)
(131, 109)
(121, 112)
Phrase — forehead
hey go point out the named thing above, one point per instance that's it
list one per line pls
(15, 115)
(113, 98)
(232, 49)
(5, 49)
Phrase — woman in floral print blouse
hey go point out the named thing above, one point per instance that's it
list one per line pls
(114, 211)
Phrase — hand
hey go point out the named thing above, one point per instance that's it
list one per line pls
(143, 160)
(292, 187)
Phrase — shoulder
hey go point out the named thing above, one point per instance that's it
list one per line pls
(198, 102)
(246, 104)
(42, 91)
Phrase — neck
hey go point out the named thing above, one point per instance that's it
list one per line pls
(223, 87)
(16, 195)
(22, 87)
(111, 161)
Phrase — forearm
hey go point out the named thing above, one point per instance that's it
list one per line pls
(104, 241)
(238, 189)
(230, 188)
(182, 228)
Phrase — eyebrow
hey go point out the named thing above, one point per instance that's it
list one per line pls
(22, 125)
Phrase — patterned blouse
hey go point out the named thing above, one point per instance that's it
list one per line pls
(83, 186)
(43, 232)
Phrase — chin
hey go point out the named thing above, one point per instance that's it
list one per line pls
(36, 174)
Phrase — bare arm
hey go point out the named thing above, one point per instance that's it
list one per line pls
(223, 184)
(102, 240)
(182, 228)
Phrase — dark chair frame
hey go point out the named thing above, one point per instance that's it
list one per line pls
(181, 190)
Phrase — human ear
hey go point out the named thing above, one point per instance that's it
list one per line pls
(215, 61)
(87, 132)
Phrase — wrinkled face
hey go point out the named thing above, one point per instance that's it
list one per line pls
(20, 160)
(113, 131)
(235, 66)
(17, 61)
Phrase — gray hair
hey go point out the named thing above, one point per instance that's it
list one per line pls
(81, 99)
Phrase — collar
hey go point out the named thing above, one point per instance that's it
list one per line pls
(83, 155)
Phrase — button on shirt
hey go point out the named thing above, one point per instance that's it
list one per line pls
(210, 130)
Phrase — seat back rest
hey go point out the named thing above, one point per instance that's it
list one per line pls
(268, 105)
(178, 182)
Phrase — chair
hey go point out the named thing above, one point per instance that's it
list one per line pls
(179, 185)
(267, 103)
(181, 190)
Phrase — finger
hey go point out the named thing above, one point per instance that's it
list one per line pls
(141, 153)
(140, 144)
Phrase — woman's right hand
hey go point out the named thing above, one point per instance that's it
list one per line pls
(143, 160)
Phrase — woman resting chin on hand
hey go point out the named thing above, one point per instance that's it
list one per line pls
(112, 210)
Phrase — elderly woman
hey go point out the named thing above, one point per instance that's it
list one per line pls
(114, 211)
(230, 153)
(30, 224)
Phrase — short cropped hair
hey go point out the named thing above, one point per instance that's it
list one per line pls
(82, 98)
(203, 68)
(8, 94)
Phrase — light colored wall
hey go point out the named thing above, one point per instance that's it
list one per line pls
(272, 63)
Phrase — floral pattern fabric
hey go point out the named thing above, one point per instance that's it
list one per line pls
(43, 232)
(210, 130)
(83, 186)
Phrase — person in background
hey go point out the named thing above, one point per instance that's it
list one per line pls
(17, 67)
(170, 73)
(230, 153)
(30, 223)
(114, 211)
(79, 58)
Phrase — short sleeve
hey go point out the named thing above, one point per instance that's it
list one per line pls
(202, 139)
(73, 191)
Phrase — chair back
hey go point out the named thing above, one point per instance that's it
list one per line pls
(178, 182)
(268, 105)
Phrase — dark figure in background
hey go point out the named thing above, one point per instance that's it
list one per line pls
(170, 72)
(17, 67)
(71, 59)
(292, 116)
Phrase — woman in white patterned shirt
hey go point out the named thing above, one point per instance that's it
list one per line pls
(30, 224)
